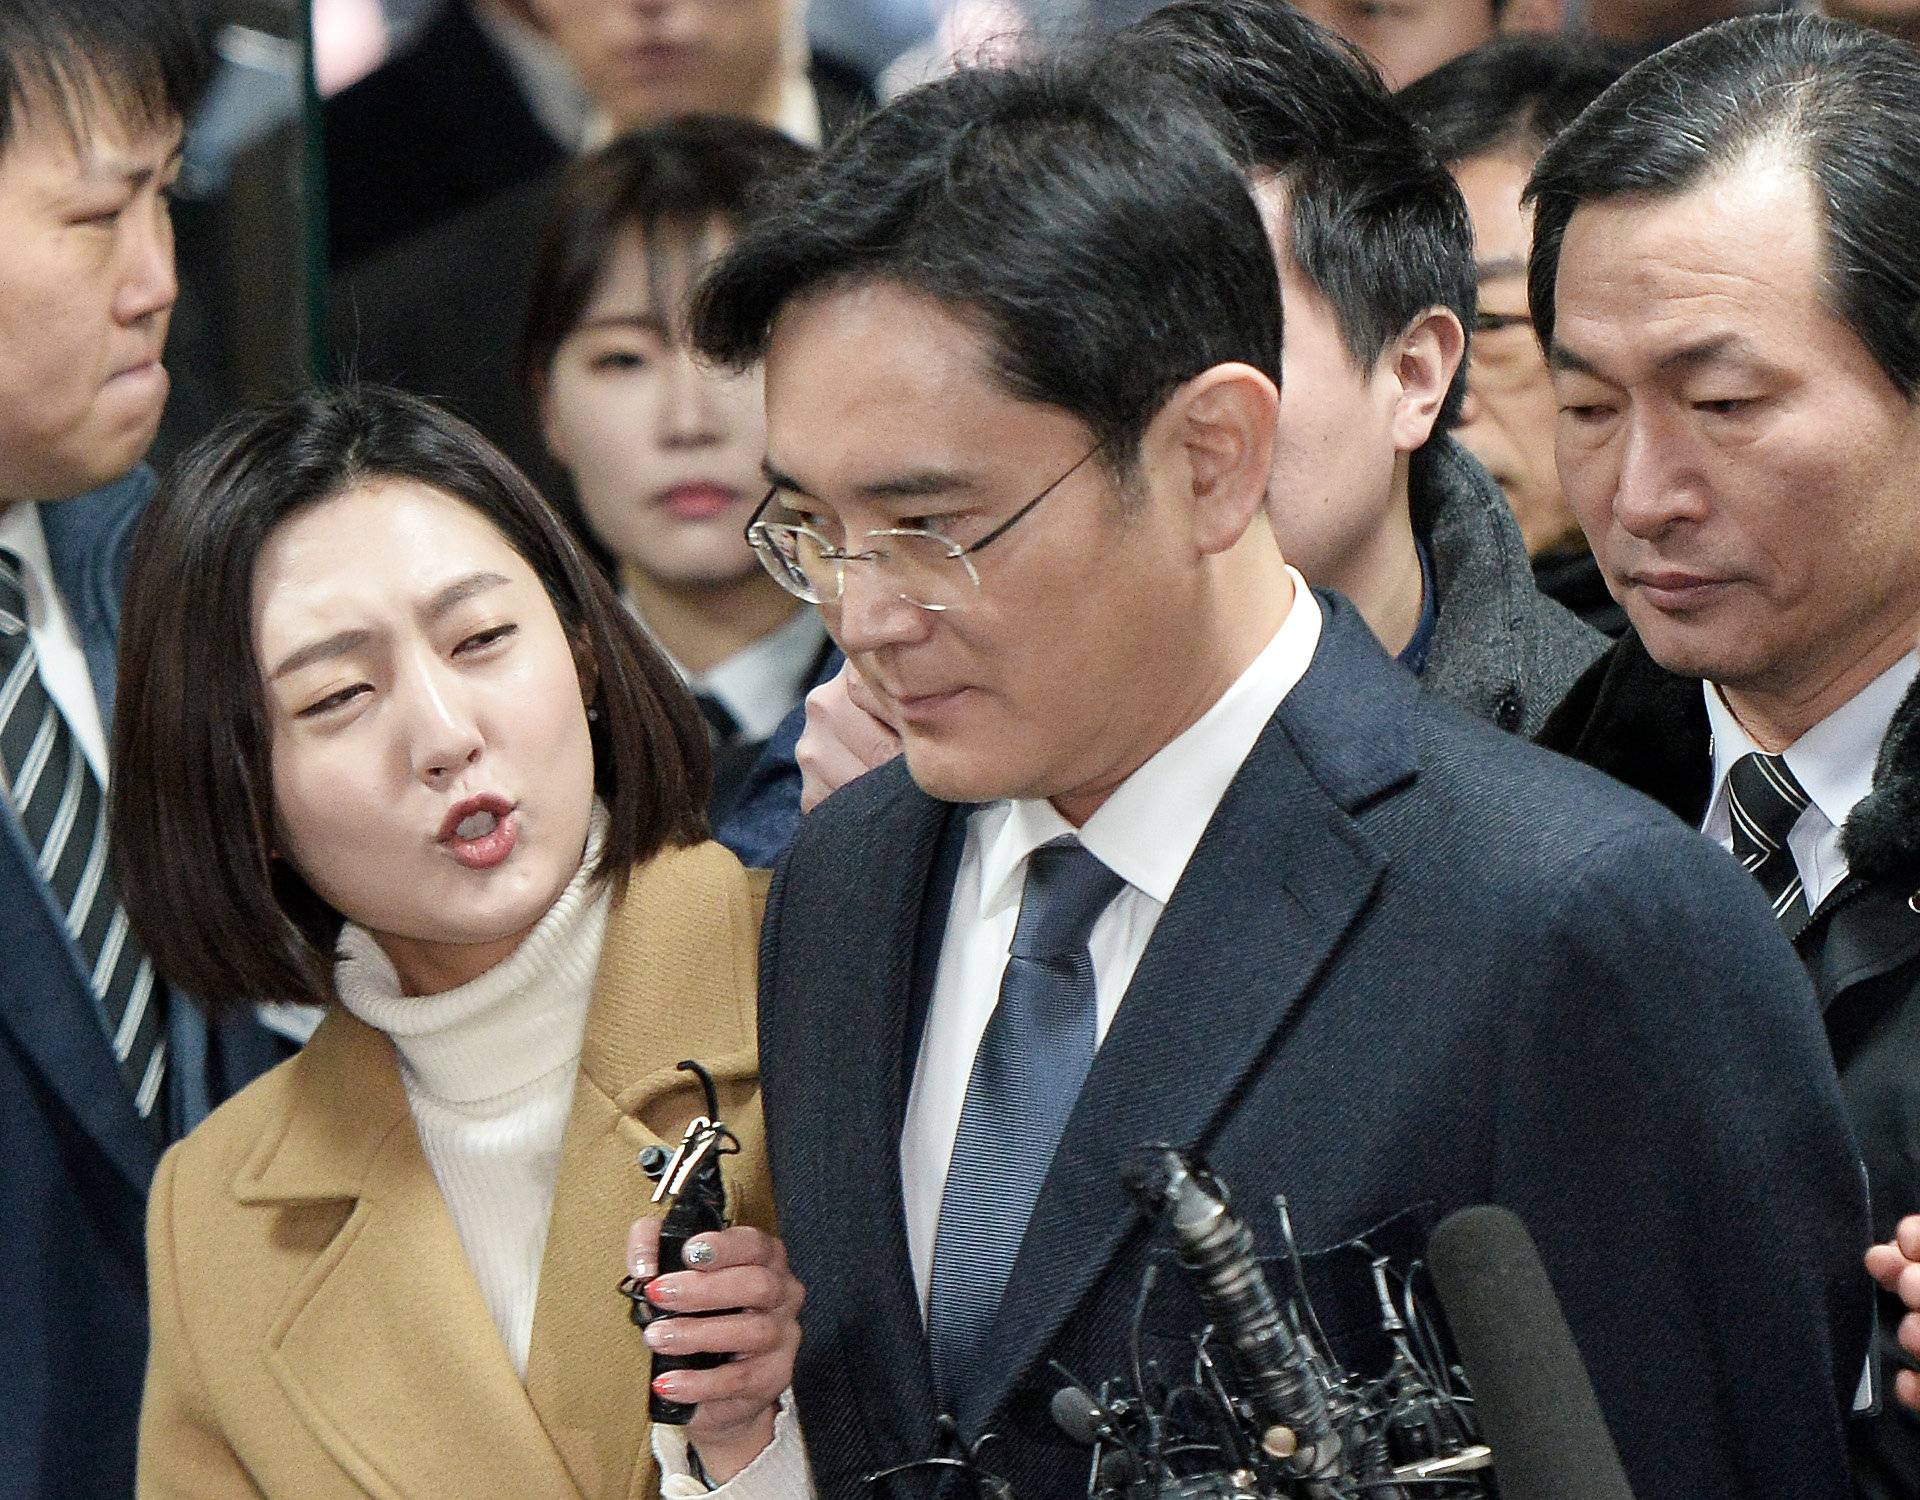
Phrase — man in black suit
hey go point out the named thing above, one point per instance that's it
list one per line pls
(99, 1065)
(1175, 852)
(1739, 438)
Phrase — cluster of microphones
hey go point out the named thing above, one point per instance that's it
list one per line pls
(1266, 1411)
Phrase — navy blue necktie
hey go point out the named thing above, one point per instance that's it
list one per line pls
(1032, 1060)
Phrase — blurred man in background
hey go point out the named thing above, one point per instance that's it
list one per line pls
(1490, 114)
(1898, 18)
(1407, 39)
(439, 310)
(491, 93)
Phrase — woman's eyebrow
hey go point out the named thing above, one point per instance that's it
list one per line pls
(325, 649)
(461, 590)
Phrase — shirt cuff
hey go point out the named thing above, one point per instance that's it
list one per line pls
(779, 1473)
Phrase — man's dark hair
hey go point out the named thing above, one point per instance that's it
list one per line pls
(142, 58)
(1512, 96)
(1375, 223)
(1103, 245)
(1841, 100)
(669, 183)
(192, 784)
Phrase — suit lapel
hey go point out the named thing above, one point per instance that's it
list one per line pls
(675, 981)
(46, 1006)
(45, 1001)
(386, 1349)
(1281, 874)
(853, 1217)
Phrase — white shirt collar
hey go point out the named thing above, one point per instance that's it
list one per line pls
(50, 625)
(1147, 830)
(22, 534)
(546, 80)
(760, 683)
(566, 111)
(1834, 760)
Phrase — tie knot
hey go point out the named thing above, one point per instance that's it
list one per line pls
(1067, 889)
(1765, 799)
(13, 594)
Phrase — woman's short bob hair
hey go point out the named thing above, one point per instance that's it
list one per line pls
(192, 783)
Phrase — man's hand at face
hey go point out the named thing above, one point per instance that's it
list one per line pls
(1896, 1266)
(844, 739)
(753, 1302)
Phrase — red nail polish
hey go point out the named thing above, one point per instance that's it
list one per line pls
(665, 1385)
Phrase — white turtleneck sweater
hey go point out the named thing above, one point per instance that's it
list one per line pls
(489, 1070)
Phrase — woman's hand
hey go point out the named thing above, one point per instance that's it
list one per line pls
(742, 1277)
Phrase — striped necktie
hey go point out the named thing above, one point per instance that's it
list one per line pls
(63, 813)
(1764, 801)
(1033, 1058)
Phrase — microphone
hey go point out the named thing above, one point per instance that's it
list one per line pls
(1534, 1401)
(1215, 1248)
(1080, 1417)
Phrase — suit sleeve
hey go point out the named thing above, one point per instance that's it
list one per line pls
(183, 1453)
(1671, 1129)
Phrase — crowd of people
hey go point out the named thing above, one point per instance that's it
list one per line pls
(1336, 586)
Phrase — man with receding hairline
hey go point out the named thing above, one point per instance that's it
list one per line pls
(1739, 436)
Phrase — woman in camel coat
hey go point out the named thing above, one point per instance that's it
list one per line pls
(389, 746)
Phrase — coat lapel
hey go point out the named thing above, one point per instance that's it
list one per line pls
(385, 1349)
(45, 1002)
(676, 980)
(1281, 874)
(837, 1094)
(49, 1012)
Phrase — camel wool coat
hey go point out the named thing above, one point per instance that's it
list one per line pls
(317, 1334)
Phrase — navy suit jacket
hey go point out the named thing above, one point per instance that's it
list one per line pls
(75, 1159)
(766, 809)
(1414, 964)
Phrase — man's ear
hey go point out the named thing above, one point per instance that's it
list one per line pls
(1216, 436)
(1533, 15)
(1423, 361)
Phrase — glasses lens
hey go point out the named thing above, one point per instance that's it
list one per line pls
(927, 568)
(792, 555)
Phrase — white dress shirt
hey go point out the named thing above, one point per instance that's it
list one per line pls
(1833, 761)
(63, 663)
(1145, 832)
(760, 683)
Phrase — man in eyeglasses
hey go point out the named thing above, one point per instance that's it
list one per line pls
(1175, 852)
(1370, 494)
